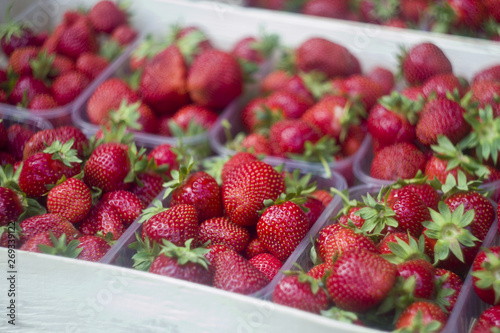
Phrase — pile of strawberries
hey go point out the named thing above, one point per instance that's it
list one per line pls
(234, 236)
(472, 18)
(397, 259)
(313, 109)
(47, 70)
(66, 195)
(179, 83)
(440, 124)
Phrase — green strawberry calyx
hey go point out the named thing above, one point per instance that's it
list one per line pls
(444, 16)
(442, 294)
(403, 251)
(449, 229)
(353, 112)
(302, 186)
(13, 228)
(400, 104)
(42, 66)
(185, 254)
(147, 252)
(419, 179)
(485, 134)
(377, 215)
(304, 278)
(189, 45)
(63, 152)
(400, 296)
(266, 43)
(178, 177)
(418, 325)
(266, 117)
(127, 115)
(322, 151)
(138, 163)
(110, 49)
(489, 276)
(157, 208)
(286, 197)
(316, 83)
(60, 247)
(236, 142)
(150, 47)
(385, 10)
(287, 60)
(213, 166)
(344, 316)
(347, 203)
(454, 185)
(11, 28)
(194, 128)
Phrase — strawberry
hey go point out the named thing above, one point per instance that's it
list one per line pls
(42, 102)
(105, 16)
(183, 263)
(108, 96)
(15, 35)
(442, 84)
(362, 88)
(486, 92)
(91, 64)
(255, 50)
(281, 228)
(422, 316)
(326, 8)
(274, 81)
(484, 267)
(48, 167)
(67, 87)
(257, 144)
(320, 271)
(20, 60)
(25, 89)
(10, 206)
(423, 272)
(93, 248)
(401, 160)
(298, 85)
(215, 79)
(164, 155)
(235, 162)
(6, 158)
(61, 65)
(124, 34)
(17, 136)
(425, 191)
(384, 246)
(254, 248)
(424, 61)
(384, 77)
(214, 250)
(71, 199)
(301, 292)
(267, 264)
(315, 208)
(360, 280)
(176, 224)
(448, 287)
(468, 14)
(77, 38)
(46, 240)
(292, 105)
(234, 273)
(102, 218)
(127, 204)
(246, 188)
(437, 168)
(39, 141)
(163, 84)
(412, 10)
(441, 116)
(413, 93)
(45, 222)
(326, 57)
(488, 74)
(152, 186)
(256, 114)
(289, 136)
(220, 230)
(137, 117)
(488, 321)
(190, 115)
(322, 195)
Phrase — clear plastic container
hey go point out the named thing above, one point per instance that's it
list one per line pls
(121, 255)
(34, 123)
(362, 166)
(468, 305)
(44, 15)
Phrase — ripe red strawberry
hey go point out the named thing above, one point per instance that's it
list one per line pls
(446, 279)
(485, 93)
(289, 136)
(320, 271)
(246, 188)
(196, 114)
(152, 186)
(436, 168)
(257, 144)
(234, 273)
(274, 81)
(107, 97)
(235, 162)
(484, 267)
(76, 39)
(315, 208)
(67, 87)
(362, 88)
(322, 195)
(183, 263)
(164, 156)
(107, 167)
(424, 61)
(383, 245)
(41, 238)
(93, 248)
(251, 49)
(426, 192)
(102, 218)
(411, 211)
(351, 215)
(326, 57)
(291, 105)
(220, 230)
(25, 89)
(255, 247)
(423, 272)
(301, 292)
(127, 204)
(39, 141)
(412, 10)
(136, 117)
(413, 93)
(20, 60)
(360, 280)
(401, 160)
(281, 228)
(326, 8)
(489, 74)
(468, 14)
(441, 84)
(91, 64)
(42, 102)
(10, 206)
(61, 65)
(215, 79)
(267, 264)
(45, 222)
(176, 224)
(15, 35)
(214, 250)
(488, 321)
(124, 34)
(249, 114)
(441, 116)
(105, 16)
(419, 315)
(163, 84)
(17, 136)
(71, 199)
(384, 77)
